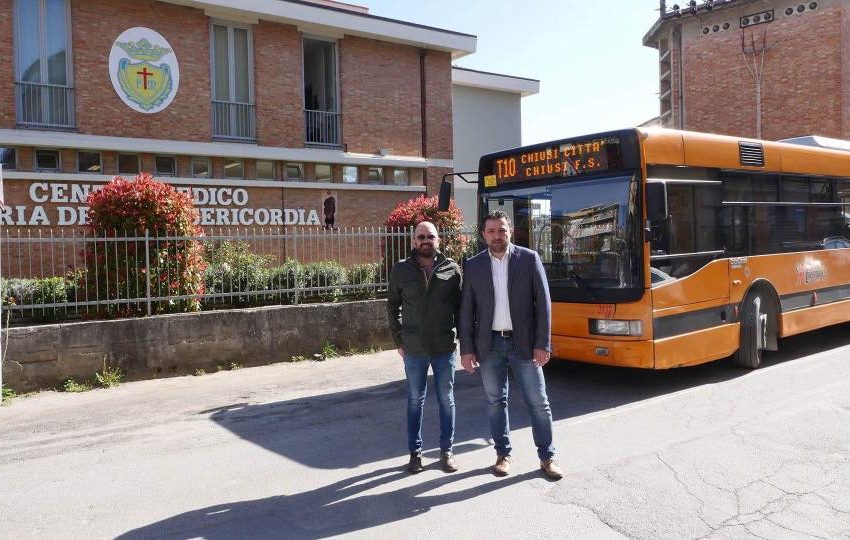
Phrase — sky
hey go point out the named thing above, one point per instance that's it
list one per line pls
(594, 72)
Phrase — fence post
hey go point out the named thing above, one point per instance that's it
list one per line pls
(148, 269)
(298, 269)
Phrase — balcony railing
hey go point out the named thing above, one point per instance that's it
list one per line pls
(234, 120)
(44, 105)
(322, 129)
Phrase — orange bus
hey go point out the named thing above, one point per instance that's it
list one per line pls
(669, 248)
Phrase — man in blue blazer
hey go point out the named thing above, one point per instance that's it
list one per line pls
(505, 323)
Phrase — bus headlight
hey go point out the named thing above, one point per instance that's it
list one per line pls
(608, 327)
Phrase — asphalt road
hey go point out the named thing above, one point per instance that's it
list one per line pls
(315, 450)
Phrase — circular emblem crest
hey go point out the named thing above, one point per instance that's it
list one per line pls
(144, 70)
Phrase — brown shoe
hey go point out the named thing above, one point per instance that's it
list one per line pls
(551, 469)
(448, 461)
(415, 464)
(502, 466)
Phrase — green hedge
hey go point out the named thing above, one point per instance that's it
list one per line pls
(52, 290)
(230, 270)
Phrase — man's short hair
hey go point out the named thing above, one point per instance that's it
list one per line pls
(495, 214)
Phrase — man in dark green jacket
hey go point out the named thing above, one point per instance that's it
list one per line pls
(423, 303)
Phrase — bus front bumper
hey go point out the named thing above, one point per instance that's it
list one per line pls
(638, 354)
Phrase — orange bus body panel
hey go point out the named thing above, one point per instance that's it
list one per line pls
(803, 320)
(572, 340)
(636, 354)
(574, 319)
(802, 160)
(663, 147)
(806, 275)
(697, 347)
(704, 150)
(708, 283)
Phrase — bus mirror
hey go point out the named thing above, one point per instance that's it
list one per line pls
(445, 195)
(656, 202)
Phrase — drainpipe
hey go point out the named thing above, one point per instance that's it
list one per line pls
(681, 72)
(422, 106)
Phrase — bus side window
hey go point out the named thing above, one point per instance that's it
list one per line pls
(842, 195)
(656, 214)
(748, 229)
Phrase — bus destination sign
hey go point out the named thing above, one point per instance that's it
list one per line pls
(568, 159)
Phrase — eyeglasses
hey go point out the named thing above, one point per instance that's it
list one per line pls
(425, 237)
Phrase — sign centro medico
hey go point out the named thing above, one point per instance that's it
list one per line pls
(144, 70)
(64, 204)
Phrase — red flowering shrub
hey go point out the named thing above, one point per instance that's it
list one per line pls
(410, 213)
(127, 269)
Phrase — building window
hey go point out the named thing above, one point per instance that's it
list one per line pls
(376, 175)
(232, 82)
(401, 177)
(43, 93)
(265, 170)
(8, 158)
(349, 174)
(200, 167)
(234, 168)
(294, 171)
(128, 164)
(46, 160)
(165, 165)
(89, 162)
(324, 172)
(321, 93)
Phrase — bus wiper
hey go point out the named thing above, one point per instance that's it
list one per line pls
(582, 283)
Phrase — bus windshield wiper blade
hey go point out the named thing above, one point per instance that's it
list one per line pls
(582, 283)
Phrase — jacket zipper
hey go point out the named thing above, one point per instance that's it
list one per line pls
(426, 276)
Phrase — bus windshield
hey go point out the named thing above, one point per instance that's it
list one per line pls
(586, 232)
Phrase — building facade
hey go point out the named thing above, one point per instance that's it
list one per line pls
(487, 117)
(770, 69)
(264, 109)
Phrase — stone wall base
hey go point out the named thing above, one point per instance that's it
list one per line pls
(166, 345)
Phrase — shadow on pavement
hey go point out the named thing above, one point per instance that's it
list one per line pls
(347, 429)
(357, 427)
(331, 510)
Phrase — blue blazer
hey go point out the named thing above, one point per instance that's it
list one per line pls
(528, 296)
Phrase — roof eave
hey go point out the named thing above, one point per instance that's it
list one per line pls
(650, 39)
(338, 22)
(495, 81)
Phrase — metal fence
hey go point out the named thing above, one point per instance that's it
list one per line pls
(44, 105)
(234, 120)
(322, 128)
(52, 275)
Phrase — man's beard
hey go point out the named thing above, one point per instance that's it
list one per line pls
(498, 249)
(426, 251)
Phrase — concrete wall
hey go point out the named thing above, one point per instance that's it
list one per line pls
(484, 121)
(167, 345)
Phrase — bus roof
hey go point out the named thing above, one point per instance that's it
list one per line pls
(673, 147)
(812, 155)
(819, 142)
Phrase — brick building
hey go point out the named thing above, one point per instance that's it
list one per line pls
(264, 108)
(770, 69)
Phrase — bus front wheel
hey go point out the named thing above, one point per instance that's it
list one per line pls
(754, 323)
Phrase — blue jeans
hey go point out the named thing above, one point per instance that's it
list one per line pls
(494, 374)
(416, 369)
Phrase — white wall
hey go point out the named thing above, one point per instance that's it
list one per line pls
(484, 121)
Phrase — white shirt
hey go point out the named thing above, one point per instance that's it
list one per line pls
(502, 312)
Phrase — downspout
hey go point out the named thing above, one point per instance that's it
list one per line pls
(422, 105)
(681, 72)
